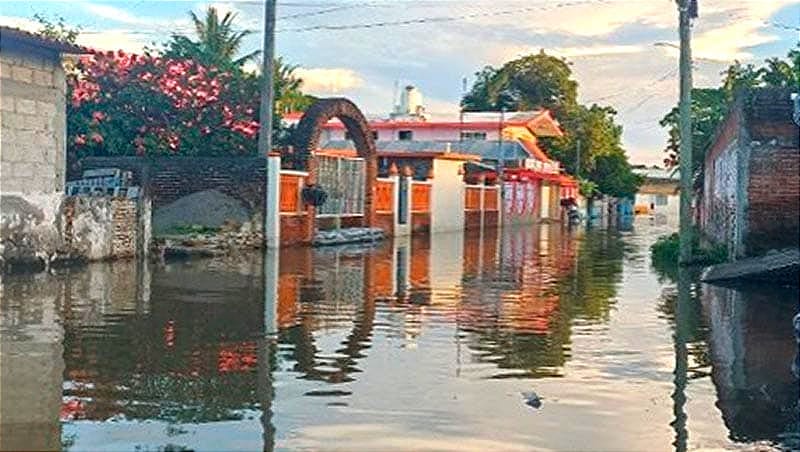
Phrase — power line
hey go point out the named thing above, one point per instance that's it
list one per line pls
(439, 19)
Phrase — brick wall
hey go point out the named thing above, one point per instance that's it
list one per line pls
(124, 227)
(773, 215)
(293, 229)
(32, 98)
(167, 179)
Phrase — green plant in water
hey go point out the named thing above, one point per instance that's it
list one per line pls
(664, 253)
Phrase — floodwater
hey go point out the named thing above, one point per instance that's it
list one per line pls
(423, 344)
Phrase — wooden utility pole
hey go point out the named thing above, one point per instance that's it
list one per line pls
(687, 10)
(267, 83)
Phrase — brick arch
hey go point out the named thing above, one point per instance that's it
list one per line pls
(307, 136)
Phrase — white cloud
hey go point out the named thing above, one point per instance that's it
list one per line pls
(595, 50)
(115, 14)
(324, 81)
(20, 22)
(116, 39)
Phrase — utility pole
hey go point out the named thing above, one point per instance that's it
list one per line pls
(687, 10)
(267, 83)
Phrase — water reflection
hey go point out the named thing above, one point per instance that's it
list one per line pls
(416, 339)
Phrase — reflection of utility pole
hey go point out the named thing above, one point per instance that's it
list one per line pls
(687, 11)
(268, 347)
(683, 304)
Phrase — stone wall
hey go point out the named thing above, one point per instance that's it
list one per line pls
(39, 230)
(32, 98)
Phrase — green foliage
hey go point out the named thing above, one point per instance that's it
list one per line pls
(191, 97)
(665, 251)
(614, 177)
(709, 106)
(544, 81)
(527, 83)
(217, 42)
(57, 29)
(587, 188)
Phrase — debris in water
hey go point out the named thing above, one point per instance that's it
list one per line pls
(532, 399)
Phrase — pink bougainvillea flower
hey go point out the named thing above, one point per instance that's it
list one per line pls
(80, 140)
(97, 138)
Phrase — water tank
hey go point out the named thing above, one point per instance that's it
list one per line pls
(410, 100)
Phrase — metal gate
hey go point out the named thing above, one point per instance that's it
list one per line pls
(343, 179)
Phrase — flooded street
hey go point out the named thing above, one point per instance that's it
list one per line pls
(528, 339)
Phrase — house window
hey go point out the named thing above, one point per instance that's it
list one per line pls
(473, 136)
(374, 134)
(405, 135)
(347, 135)
(661, 200)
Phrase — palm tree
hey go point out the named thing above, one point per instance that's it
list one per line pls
(218, 42)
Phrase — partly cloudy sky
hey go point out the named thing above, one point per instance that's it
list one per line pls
(622, 50)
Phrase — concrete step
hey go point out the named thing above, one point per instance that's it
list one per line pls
(780, 266)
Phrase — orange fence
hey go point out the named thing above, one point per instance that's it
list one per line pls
(290, 193)
(472, 198)
(420, 197)
(490, 198)
(384, 196)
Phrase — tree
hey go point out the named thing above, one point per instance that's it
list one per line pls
(544, 81)
(57, 29)
(126, 104)
(529, 82)
(614, 177)
(217, 42)
(710, 105)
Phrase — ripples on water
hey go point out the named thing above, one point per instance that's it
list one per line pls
(415, 344)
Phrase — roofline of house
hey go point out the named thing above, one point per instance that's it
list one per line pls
(10, 36)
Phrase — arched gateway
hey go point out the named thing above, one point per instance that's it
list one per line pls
(307, 135)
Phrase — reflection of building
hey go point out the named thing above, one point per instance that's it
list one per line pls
(752, 350)
(31, 364)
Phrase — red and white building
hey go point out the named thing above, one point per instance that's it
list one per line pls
(506, 143)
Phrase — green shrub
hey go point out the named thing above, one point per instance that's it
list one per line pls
(665, 252)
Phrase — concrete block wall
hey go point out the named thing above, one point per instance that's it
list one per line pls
(33, 123)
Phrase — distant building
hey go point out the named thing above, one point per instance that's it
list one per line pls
(751, 188)
(658, 196)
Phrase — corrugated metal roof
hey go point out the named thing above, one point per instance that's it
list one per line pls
(486, 150)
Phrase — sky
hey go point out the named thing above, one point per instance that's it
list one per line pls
(622, 51)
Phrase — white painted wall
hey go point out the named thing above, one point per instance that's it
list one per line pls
(447, 196)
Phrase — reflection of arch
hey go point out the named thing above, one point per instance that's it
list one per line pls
(307, 136)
